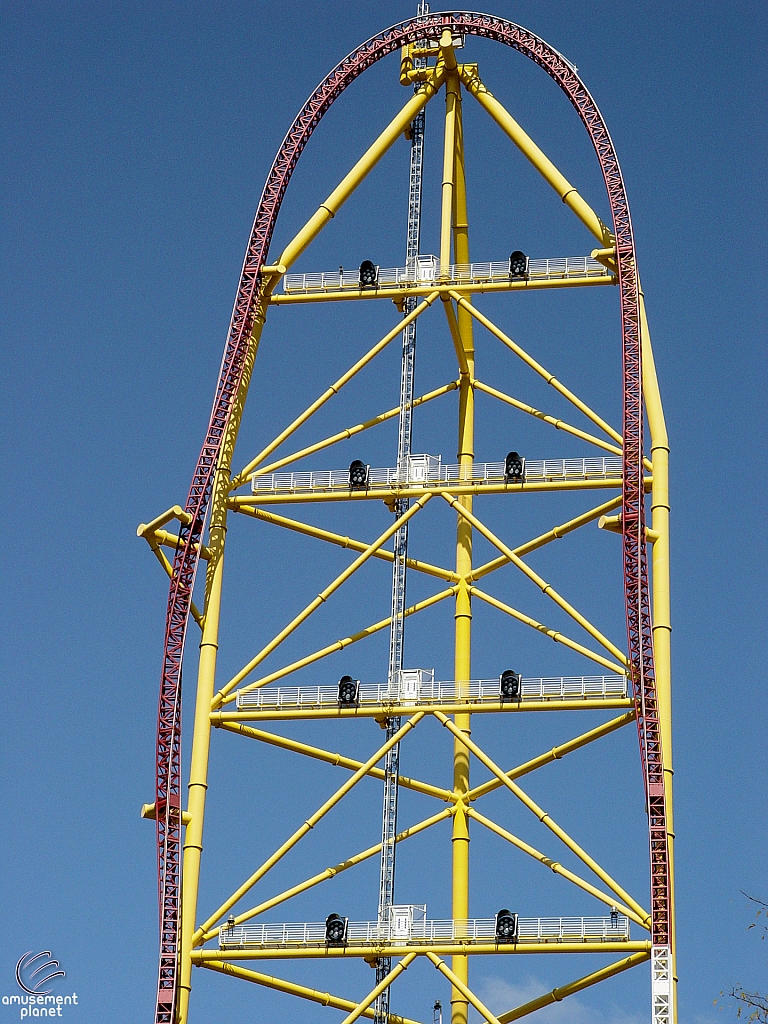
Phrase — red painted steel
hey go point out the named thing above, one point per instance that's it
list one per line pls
(168, 791)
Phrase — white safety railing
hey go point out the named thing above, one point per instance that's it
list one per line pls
(428, 474)
(475, 930)
(549, 688)
(427, 271)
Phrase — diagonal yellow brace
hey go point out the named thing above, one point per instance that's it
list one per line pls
(344, 542)
(344, 435)
(553, 634)
(558, 994)
(546, 538)
(557, 868)
(334, 389)
(340, 645)
(321, 598)
(531, 151)
(307, 826)
(552, 420)
(545, 587)
(293, 989)
(538, 368)
(543, 817)
(465, 991)
(323, 876)
(554, 754)
(384, 984)
(326, 755)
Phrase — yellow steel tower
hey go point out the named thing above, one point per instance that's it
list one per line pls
(630, 678)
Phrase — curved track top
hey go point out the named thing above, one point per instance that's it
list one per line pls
(168, 790)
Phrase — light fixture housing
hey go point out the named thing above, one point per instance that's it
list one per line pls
(369, 274)
(518, 265)
(358, 475)
(336, 930)
(349, 692)
(514, 468)
(510, 685)
(506, 926)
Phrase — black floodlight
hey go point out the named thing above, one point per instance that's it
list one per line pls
(518, 264)
(230, 922)
(369, 274)
(509, 685)
(614, 917)
(358, 475)
(506, 926)
(349, 690)
(335, 930)
(513, 468)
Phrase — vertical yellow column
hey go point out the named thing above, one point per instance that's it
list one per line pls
(662, 623)
(206, 677)
(456, 215)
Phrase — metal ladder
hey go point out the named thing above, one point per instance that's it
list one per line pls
(392, 763)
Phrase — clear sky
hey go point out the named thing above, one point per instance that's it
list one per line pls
(136, 140)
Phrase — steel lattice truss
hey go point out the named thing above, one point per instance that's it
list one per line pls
(232, 374)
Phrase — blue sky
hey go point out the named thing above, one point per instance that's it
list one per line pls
(136, 142)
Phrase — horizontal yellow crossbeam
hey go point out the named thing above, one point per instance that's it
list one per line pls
(446, 948)
(293, 989)
(457, 707)
(390, 494)
(553, 634)
(555, 754)
(336, 538)
(397, 293)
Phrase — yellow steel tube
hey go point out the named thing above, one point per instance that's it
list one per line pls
(538, 368)
(460, 984)
(293, 989)
(340, 645)
(554, 754)
(553, 634)
(552, 420)
(321, 598)
(331, 872)
(440, 948)
(344, 435)
(219, 720)
(559, 993)
(534, 577)
(370, 158)
(344, 542)
(334, 389)
(463, 610)
(545, 538)
(375, 992)
(543, 816)
(168, 569)
(531, 151)
(557, 868)
(449, 159)
(309, 824)
(206, 675)
(453, 327)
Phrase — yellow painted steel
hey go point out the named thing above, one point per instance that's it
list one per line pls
(293, 989)
(456, 299)
(558, 994)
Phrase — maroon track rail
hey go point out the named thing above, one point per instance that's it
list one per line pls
(640, 640)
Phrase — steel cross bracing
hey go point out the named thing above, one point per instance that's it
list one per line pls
(240, 347)
(397, 628)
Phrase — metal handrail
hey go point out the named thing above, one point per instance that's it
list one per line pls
(437, 692)
(535, 470)
(427, 270)
(472, 930)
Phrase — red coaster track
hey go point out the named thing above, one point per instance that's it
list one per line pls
(168, 765)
